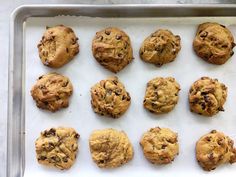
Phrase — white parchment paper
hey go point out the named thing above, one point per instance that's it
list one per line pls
(84, 72)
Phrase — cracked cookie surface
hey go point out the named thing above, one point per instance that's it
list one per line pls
(160, 47)
(160, 145)
(58, 46)
(207, 96)
(52, 92)
(109, 98)
(161, 95)
(110, 148)
(57, 147)
(214, 149)
(112, 48)
(214, 43)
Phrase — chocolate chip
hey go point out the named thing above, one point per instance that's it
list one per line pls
(100, 38)
(67, 50)
(172, 140)
(153, 35)
(221, 109)
(208, 138)
(107, 32)
(55, 158)
(119, 55)
(65, 84)
(65, 159)
(220, 142)
(51, 132)
(163, 146)
(213, 131)
(101, 161)
(42, 158)
(211, 156)
(204, 34)
(77, 136)
(224, 46)
(203, 105)
(232, 53)
(118, 36)
(223, 26)
(158, 64)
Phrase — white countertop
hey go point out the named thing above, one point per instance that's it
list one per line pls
(7, 6)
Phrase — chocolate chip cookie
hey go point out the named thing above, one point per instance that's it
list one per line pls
(214, 43)
(214, 149)
(58, 46)
(160, 47)
(52, 92)
(109, 98)
(160, 145)
(112, 49)
(110, 148)
(57, 147)
(207, 96)
(161, 95)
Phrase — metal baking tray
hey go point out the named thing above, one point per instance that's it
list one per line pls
(17, 95)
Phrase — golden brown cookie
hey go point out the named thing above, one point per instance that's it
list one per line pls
(214, 149)
(112, 49)
(110, 148)
(160, 145)
(57, 147)
(58, 46)
(52, 92)
(214, 43)
(109, 98)
(161, 95)
(207, 96)
(160, 47)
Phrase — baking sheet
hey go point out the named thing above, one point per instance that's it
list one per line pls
(84, 72)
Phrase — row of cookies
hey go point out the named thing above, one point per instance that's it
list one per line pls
(111, 47)
(110, 98)
(110, 148)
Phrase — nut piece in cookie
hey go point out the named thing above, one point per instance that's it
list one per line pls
(160, 47)
(58, 46)
(161, 95)
(214, 149)
(111, 47)
(207, 96)
(109, 98)
(110, 148)
(57, 147)
(52, 92)
(214, 43)
(160, 145)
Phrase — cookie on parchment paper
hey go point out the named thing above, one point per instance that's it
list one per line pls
(161, 95)
(160, 145)
(57, 147)
(112, 48)
(160, 47)
(110, 98)
(214, 43)
(58, 46)
(52, 92)
(207, 96)
(110, 148)
(214, 149)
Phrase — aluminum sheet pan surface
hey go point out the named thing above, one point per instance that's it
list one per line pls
(84, 72)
